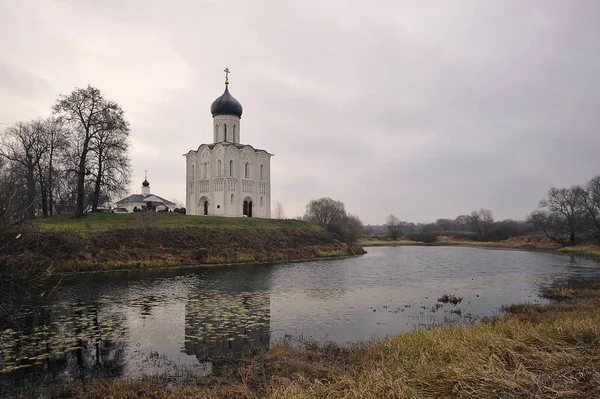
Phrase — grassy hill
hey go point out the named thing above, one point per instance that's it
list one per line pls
(105, 241)
(97, 222)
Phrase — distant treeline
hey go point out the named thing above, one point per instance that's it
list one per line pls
(568, 216)
(479, 225)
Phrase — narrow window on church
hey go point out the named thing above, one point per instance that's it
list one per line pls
(225, 131)
(247, 170)
(262, 173)
(231, 168)
(193, 173)
(261, 201)
(232, 198)
(234, 132)
(216, 131)
(219, 167)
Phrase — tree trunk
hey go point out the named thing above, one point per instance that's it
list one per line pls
(50, 187)
(572, 239)
(98, 185)
(81, 180)
(43, 191)
(30, 191)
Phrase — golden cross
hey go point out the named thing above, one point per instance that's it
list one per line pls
(227, 72)
(145, 174)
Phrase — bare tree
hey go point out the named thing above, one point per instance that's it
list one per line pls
(111, 164)
(393, 226)
(552, 226)
(481, 221)
(352, 228)
(325, 212)
(56, 137)
(89, 115)
(590, 200)
(462, 222)
(561, 215)
(24, 144)
(278, 212)
(445, 224)
(12, 193)
(331, 215)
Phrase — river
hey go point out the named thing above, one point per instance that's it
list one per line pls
(177, 323)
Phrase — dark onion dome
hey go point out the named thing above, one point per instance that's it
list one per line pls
(226, 105)
(145, 183)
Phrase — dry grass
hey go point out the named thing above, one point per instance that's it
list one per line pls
(390, 243)
(550, 351)
(587, 250)
(72, 251)
(528, 243)
(97, 222)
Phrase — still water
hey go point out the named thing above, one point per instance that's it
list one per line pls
(181, 322)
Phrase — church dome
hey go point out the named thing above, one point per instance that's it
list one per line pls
(145, 183)
(226, 105)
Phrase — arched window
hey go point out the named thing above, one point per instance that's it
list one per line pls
(232, 198)
(234, 132)
(193, 172)
(231, 168)
(261, 201)
(247, 170)
(262, 172)
(219, 167)
(216, 131)
(225, 131)
(204, 167)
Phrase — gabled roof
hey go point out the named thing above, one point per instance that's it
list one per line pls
(144, 198)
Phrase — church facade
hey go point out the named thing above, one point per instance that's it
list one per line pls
(145, 200)
(226, 177)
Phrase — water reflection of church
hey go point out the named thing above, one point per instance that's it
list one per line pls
(227, 324)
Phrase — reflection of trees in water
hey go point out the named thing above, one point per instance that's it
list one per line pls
(223, 324)
(62, 342)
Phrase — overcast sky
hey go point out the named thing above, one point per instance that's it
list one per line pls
(420, 109)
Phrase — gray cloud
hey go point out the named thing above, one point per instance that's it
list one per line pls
(421, 110)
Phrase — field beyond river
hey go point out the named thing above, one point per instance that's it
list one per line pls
(147, 239)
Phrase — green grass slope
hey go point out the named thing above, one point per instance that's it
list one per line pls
(96, 222)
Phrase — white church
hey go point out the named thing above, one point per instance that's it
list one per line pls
(145, 200)
(225, 177)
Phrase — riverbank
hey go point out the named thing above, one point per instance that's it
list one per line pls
(106, 242)
(525, 243)
(535, 351)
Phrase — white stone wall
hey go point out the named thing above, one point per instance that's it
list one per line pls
(210, 177)
(229, 124)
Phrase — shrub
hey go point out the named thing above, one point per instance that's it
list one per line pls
(428, 237)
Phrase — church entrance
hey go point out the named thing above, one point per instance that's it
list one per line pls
(203, 206)
(247, 207)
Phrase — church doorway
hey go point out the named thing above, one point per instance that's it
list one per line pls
(247, 207)
(204, 206)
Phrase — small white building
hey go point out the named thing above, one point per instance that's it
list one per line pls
(145, 200)
(225, 177)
